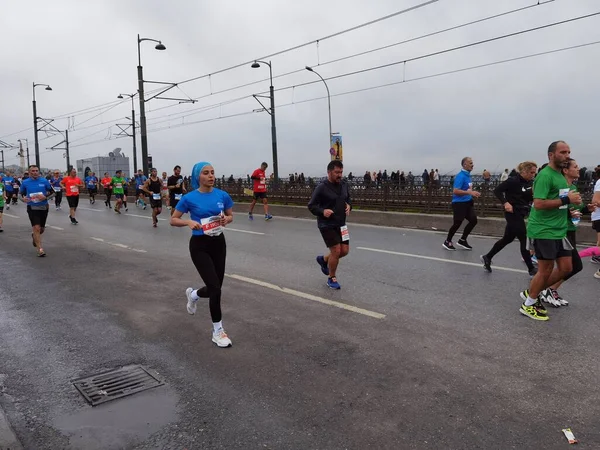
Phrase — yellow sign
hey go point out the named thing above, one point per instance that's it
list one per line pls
(336, 151)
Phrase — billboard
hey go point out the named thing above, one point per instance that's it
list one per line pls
(336, 151)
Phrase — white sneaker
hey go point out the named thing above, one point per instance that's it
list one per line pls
(191, 303)
(220, 338)
(547, 297)
(597, 274)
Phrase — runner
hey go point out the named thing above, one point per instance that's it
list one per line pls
(118, 185)
(2, 200)
(140, 180)
(259, 178)
(16, 185)
(92, 186)
(330, 202)
(55, 181)
(165, 189)
(126, 182)
(8, 188)
(547, 229)
(152, 187)
(551, 295)
(210, 211)
(35, 191)
(596, 219)
(176, 188)
(71, 185)
(516, 196)
(107, 188)
(462, 206)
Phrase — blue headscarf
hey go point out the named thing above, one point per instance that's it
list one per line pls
(196, 171)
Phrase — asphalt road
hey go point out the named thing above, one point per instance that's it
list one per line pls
(420, 349)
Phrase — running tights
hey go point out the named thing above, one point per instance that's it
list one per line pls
(462, 211)
(108, 193)
(58, 199)
(577, 264)
(208, 255)
(515, 228)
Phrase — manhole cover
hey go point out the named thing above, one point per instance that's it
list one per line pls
(117, 383)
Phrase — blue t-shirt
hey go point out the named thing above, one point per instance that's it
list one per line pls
(204, 205)
(139, 181)
(8, 182)
(31, 187)
(55, 182)
(91, 182)
(463, 182)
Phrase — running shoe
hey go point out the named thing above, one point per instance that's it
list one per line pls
(250, 216)
(487, 263)
(1, 230)
(220, 338)
(75, 221)
(532, 313)
(7, 206)
(333, 283)
(448, 245)
(191, 303)
(126, 209)
(541, 309)
(534, 260)
(464, 244)
(268, 216)
(323, 264)
(547, 297)
(144, 207)
(155, 224)
(533, 272)
(558, 298)
(117, 211)
(595, 260)
(57, 208)
(41, 253)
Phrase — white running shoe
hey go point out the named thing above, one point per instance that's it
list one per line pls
(220, 338)
(597, 274)
(547, 297)
(191, 303)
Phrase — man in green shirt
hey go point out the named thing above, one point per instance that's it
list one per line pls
(547, 229)
(118, 184)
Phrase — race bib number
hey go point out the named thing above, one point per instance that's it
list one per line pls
(75, 189)
(16, 186)
(563, 193)
(155, 196)
(211, 226)
(345, 233)
(57, 188)
(118, 185)
(177, 196)
(140, 186)
(36, 197)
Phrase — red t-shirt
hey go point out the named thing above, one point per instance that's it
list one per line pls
(72, 185)
(260, 184)
(106, 182)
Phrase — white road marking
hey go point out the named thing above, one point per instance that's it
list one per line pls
(90, 209)
(244, 231)
(116, 244)
(306, 296)
(432, 258)
(10, 215)
(144, 217)
(56, 228)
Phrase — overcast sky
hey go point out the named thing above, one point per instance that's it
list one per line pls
(500, 115)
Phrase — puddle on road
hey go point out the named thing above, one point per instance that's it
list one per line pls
(120, 423)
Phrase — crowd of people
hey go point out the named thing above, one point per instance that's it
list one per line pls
(547, 196)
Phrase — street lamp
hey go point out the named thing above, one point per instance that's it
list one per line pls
(133, 129)
(310, 69)
(256, 65)
(35, 128)
(158, 46)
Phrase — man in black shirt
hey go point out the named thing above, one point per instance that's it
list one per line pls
(176, 188)
(331, 204)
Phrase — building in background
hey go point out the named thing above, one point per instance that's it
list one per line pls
(100, 164)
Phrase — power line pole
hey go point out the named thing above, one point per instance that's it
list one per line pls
(67, 150)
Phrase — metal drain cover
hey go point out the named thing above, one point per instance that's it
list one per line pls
(117, 383)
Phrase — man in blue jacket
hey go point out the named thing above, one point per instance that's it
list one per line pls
(462, 206)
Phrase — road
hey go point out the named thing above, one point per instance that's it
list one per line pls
(421, 349)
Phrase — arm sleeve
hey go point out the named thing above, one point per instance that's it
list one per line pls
(313, 204)
(501, 189)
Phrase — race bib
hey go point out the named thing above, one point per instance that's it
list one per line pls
(36, 197)
(140, 186)
(155, 196)
(563, 193)
(345, 234)
(118, 185)
(178, 196)
(211, 226)
(263, 181)
(57, 188)
(16, 186)
(75, 189)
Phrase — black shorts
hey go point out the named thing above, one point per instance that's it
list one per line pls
(155, 203)
(92, 191)
(260, 195)
(37, 216)
(1, 209)
(139, 192)
(463, 210)
(332, 236)
(596, 226)
(73, 201)
(124, 192)
(551, 249)
(173, 202)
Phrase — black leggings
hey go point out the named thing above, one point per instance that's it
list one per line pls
(462, 211)
(208, 255)
(108, 193)
(58, 198)
(515, 228)
(577, 264)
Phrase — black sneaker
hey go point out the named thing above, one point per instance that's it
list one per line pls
(464, 244)
(487, 263)
(448, 245)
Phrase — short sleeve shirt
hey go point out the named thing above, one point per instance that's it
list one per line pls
(260, 181)
(72, 186)
(549, 223)
(463, 182)
(205, 208)
(33, 189)
(118, 183)
(596, 213)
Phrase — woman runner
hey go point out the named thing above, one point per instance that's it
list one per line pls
(516, 196)
(210, 211)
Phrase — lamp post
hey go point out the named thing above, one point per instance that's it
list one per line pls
(144, 138)
(310, 69)
(256, 65)
(132, 128)
(35, 119)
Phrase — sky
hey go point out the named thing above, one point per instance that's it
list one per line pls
(500, 114)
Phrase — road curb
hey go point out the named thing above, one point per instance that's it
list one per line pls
(8, 439)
